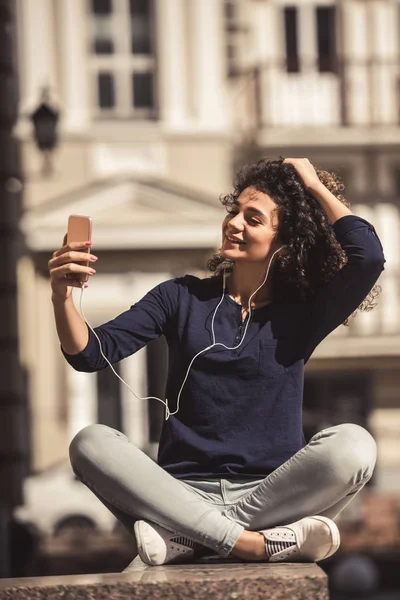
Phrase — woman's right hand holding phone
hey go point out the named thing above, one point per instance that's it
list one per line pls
(66, 270)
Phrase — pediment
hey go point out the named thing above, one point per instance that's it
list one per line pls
(130, 213)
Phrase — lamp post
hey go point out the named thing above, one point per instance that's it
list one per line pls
(45, 119)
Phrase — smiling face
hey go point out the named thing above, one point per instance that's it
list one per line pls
(249, 229)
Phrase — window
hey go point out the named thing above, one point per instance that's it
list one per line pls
(102, 39)
(236, 35)
(141, 26)
(122, 58)
(142, 90)
(106, 94)
(396, 181)
(326, 39)
(291, 39)
(323, 23)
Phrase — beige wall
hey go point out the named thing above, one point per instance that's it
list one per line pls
(70, 166)
(202, 164)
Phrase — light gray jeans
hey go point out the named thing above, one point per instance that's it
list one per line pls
(321, 479)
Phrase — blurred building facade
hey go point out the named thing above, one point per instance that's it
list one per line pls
(160, 101)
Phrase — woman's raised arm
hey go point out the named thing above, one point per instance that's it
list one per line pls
(332, 206)
(65, 270)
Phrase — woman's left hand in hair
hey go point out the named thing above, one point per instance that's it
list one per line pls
(306, 172)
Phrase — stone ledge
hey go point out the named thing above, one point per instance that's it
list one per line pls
(225, 581)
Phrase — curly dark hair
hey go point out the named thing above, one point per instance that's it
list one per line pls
(311, 255)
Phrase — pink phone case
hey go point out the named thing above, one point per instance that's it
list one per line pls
(80, 230)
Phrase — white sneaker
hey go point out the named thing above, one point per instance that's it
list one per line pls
(309, 540)
(158, 546)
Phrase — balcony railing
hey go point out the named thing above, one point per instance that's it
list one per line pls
(360, 93)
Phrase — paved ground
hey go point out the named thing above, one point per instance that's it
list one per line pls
(220, 581)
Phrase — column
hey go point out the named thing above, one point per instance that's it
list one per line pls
(207, 65)
(37, 60)
(101, 301)
(317, 93)
(268, 40)
(355, 52)
(134, 411)
(172, 62)
(384, 24)
(387, 225)
(307, 37)
(134, 372)
(46, 381)
(367, 323)
(82, 400)
(73, 27)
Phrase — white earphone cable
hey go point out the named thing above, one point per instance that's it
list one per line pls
(106, 359)
(168, 413)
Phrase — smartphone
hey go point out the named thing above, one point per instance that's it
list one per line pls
(80, 230)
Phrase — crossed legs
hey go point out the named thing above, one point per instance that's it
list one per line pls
(321, 479)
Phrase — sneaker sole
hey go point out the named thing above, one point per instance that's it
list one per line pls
(335, 535)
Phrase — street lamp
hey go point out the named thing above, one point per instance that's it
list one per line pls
(45, 119)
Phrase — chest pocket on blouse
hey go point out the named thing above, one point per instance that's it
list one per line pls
(268, 366)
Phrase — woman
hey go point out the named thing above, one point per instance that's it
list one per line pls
(234, 473)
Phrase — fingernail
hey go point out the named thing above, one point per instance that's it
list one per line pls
(86, 285)
(88, 243)
(92, 271)
(93, 258)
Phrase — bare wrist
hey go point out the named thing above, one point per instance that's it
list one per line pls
(317, 188)
(58, 300)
